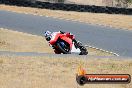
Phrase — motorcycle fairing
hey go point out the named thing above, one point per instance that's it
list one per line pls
(68, 40)
(54, 38)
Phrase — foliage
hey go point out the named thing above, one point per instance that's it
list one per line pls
(124, 3)
(61, 0)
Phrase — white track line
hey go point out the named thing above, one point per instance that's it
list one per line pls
(102, 50)
(18, 32)
(73, 21)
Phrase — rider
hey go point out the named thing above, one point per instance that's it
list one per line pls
(49, 37)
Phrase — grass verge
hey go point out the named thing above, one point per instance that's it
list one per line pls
(58, 71)
(22, 42)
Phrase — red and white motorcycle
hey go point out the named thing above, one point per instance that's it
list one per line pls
(63, 43)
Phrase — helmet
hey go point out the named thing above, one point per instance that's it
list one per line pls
(47, 35)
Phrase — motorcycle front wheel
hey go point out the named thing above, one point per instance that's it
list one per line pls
(63, 47)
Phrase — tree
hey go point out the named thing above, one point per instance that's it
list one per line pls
(123, 3)
(61, 0)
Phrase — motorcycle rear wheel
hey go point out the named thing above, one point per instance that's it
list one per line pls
(84, 51)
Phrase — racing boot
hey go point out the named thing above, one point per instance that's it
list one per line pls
(75, 43)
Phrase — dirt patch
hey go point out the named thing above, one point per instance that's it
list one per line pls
(112, 20)
(58, 71)
(2, 43)
(1, 61)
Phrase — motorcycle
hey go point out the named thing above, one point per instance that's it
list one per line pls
(65, 44)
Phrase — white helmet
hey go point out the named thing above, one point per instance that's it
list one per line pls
(47, 35)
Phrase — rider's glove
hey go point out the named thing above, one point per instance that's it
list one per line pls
(74, 40)
(62, 32)
(52, 46)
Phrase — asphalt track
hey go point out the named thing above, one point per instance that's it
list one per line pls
(35, 54)
(115, 40)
